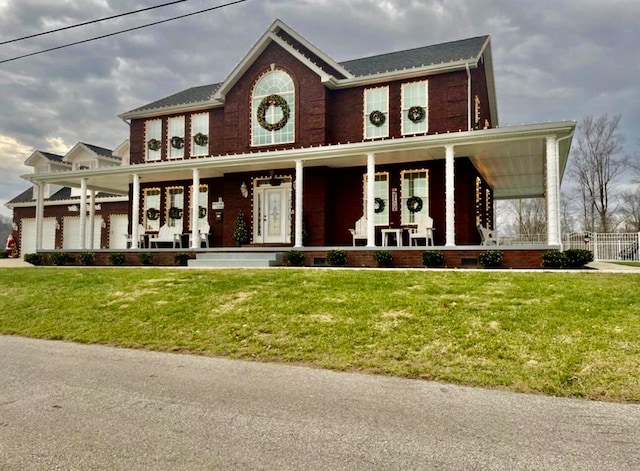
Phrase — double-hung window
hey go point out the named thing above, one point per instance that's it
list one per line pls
(151, 207)
(380, 198)
(200, 134)
(415, 115)
(153, 140)
(176, 137)
(273, 109)
(376, 112)
(415, 196)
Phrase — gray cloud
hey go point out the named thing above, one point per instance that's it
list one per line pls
(553, 60)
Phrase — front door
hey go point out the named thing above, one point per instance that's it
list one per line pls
(272, 214)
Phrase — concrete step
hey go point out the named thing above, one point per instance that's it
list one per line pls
(239, 259)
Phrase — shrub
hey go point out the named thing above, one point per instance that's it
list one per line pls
(336, 257)
(33, 258)
(87, 258)
(146, 258)
(554, 259)
(59, 258)
(578, 258)
(117, 258)
(295, 258)
(181, 259)
(431, 258)
(3, 254)
(490, 258)
(383, 258)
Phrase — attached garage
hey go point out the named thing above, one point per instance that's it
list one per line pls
(28, 235)
(71, 233)
(118, 230)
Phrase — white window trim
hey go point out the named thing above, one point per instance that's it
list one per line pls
(403, 197)
(170, 134)
(292, 116)
(168, 220)
(386, 199)
(157, 155)
(403, 110)
(367, 113)
(194, 146)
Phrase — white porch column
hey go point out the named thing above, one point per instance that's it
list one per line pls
(450, 219)
(83, 213)
(299, 206)
(195, 209)
(371, 188)
(39, 187)
(92, 217)
(135, 211)
(553, 193)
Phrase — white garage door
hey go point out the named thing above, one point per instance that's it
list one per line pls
(71, 233)
(118, 225)
(28, 236)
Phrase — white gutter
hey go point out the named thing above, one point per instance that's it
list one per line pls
(468, 97)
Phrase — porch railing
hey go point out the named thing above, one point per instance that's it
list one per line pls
(606, 247)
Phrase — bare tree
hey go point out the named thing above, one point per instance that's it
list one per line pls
(597, 161)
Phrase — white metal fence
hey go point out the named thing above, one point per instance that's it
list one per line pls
(606, 247)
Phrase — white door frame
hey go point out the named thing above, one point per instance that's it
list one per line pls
(272, 213)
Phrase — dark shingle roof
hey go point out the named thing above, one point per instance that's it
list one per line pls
(53, 157)
(418, 57)
(62, 194)
(102, 151)
(394, 61)
(191, 95)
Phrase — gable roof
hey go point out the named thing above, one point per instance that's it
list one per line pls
(96, 150)
(429, 59)
(38, 154)
(465, 49)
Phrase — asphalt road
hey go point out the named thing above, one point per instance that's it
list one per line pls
(82, 407)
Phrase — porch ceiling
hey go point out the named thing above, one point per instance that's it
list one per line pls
(512, 160)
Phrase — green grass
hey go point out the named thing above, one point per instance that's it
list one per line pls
(629, 264)
(564, 334)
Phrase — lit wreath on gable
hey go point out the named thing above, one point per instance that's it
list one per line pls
(177, 142)
(414, 204)
(378, 206)
(377, 118)
(154, 144)
(265, 104)
(416, 114)
(201, 139)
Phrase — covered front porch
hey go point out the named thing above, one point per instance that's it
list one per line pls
(516, 162)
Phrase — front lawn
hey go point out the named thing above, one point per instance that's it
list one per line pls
(565, 334)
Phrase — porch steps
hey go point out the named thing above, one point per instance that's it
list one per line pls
(237, 259)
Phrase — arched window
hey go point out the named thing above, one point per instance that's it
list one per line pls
(273, 109)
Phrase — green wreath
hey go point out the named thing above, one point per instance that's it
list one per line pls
(265, 104)
(153, 214)
(416, 114)
(202, 212)
(175, 213)
(177, 142)
(378, 205)
(377, 118)
(201, 139)
(154, 144)
(414, 204)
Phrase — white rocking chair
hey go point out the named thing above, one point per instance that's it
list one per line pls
(488, 236)
(423, 231)
(360, 230)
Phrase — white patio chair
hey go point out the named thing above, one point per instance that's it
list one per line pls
(488, 236)
(424, 230)
(359, 232)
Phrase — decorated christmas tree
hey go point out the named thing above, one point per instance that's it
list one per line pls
(240, 230)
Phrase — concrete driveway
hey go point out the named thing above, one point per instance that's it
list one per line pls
(80, 407)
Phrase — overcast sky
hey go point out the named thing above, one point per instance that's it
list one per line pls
(553, 59)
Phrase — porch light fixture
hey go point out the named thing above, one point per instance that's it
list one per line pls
(14, 226)
(243, 190)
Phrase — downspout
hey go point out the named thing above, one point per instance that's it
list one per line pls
(570, 136)
(468, 97)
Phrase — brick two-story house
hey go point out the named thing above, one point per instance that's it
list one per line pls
(305, 147)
